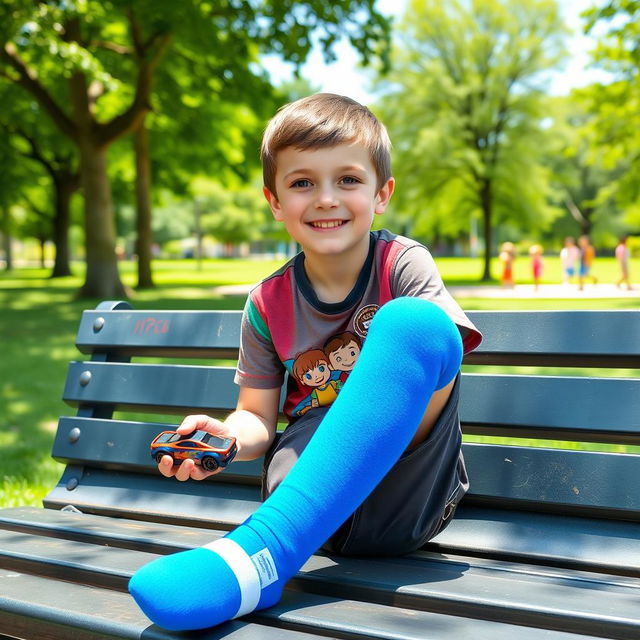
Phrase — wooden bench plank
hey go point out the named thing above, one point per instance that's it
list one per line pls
(544, 540)
(155, 388)
(570, 603)
(579, 480)
(89, 614)
(578, 543)
(41, 609)
(570, 408)
(565, 338)
(200, 334)
(567, 408)
(589, 338)
(572, 482)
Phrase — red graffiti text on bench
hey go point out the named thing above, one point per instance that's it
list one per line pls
(149, 325)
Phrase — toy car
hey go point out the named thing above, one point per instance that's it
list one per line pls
(202, 447)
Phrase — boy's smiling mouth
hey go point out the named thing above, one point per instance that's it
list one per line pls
(327, 224)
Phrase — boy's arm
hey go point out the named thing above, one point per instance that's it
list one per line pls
(253, 424)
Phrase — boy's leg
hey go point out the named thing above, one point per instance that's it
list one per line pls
(412, 503)
(413, 349)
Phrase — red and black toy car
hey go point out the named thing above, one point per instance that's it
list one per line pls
(202, 447)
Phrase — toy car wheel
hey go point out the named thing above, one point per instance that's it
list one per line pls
(209, 463)
(159, 457)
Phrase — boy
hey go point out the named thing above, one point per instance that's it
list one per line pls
(326, 166)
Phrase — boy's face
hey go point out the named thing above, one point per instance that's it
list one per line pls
(327, 197)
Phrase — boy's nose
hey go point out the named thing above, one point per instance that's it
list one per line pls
(326, 199)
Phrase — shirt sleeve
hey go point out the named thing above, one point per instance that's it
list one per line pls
(258, 364)
(415, 275)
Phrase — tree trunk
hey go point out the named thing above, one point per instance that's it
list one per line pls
(144, 234)
(102, 279)
(65, 187)
(487, 210)
(6, 239)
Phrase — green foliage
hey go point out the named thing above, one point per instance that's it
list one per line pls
(231, 216)
(97, 69)
(468, 137)
(616, 104)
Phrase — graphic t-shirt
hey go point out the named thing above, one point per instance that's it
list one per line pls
(287, 329)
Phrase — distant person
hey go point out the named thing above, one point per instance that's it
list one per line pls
(622, 257)
(535, 251)
(569, 255)
(507, 256)
(587, 256)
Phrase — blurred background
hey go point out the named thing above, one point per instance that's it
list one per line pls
(130, 129)
(129, 138)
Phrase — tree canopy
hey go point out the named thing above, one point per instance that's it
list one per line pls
(91, 66)
(468, 138)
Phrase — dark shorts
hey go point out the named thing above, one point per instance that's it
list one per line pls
(413, 502)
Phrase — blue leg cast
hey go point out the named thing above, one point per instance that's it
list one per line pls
(412, 349)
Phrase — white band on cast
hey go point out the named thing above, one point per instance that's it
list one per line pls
(240, 563)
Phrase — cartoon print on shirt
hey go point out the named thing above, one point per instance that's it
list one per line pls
(312, 369)
(325, 371)
(343, 351)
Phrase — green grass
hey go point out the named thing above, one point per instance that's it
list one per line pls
(39, 319)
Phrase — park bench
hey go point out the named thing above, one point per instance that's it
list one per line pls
(545, 545)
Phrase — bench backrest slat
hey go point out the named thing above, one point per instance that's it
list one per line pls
(521, 406)
(591, 338)
(578, 480)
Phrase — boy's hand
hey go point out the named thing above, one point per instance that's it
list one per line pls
(188, 468)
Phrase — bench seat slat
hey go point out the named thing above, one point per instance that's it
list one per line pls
(577, 480)
(420, 583)
(570, 407)
(26, 609)
(37, 608)
(159, 538)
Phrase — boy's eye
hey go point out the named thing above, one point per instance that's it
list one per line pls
(301, 184)
(349, 180)
(321, 368)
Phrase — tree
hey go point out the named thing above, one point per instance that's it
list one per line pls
(616, 104)
(87, 47)
(580, 178)
(468, 137)
(231, 216)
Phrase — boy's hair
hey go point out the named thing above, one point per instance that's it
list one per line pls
(320, 121)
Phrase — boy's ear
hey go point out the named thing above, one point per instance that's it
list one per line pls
(274, 203)
(384, 195)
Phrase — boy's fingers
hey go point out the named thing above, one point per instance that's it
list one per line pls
(183, 473)
(197, 422)
(165, 466)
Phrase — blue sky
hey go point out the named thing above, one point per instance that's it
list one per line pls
(344, 76)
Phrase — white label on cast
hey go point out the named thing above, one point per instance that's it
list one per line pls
(265, 566)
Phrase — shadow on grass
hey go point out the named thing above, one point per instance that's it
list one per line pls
(38, 323)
